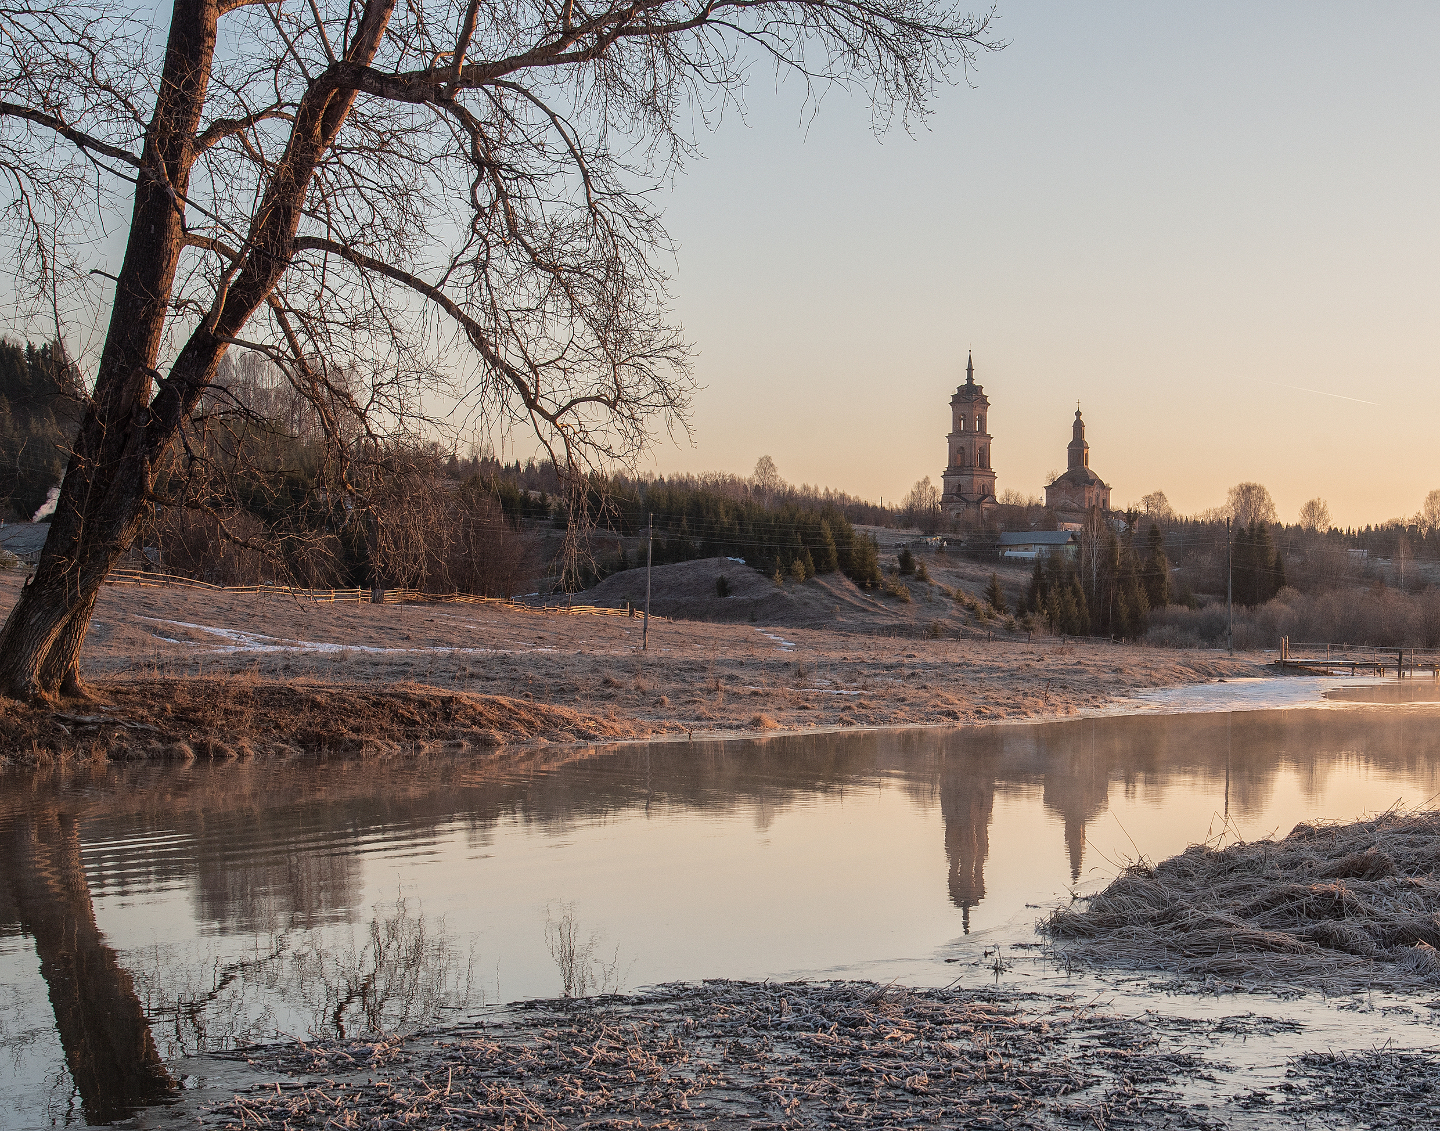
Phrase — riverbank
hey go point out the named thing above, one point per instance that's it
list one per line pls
(837, 1054)
(179, 672)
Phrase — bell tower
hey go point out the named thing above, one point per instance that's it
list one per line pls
(969, 477)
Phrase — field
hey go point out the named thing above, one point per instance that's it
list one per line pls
(178, 671)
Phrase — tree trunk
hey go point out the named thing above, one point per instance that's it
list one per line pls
(125, 434)
(108, 1045)
(107, 479)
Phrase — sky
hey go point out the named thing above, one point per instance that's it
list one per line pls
(1215, 226)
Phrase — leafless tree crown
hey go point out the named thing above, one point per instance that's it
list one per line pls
(371, 185)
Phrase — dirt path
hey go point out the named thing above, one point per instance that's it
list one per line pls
(589, 671)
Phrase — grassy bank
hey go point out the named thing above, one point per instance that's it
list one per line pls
(1339, 908)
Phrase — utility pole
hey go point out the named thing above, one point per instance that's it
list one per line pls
(649, 554)
(1229, 590)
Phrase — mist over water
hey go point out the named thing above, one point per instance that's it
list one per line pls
(221, 905)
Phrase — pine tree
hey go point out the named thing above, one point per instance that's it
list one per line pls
(1156, 576)
(1035, 596)
(827, 559)
(995, 595)
(1068, 614)
(864, 568)
(1082, 611)
(907, 561)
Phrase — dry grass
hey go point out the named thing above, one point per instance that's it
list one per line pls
(241, 716)
(1340, 908)
(584, 666)
(742, 1055)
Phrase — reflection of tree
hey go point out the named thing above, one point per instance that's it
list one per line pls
(108, 1047)
(402, 974)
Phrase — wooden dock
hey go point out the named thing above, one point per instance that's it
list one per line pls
(1357, 659)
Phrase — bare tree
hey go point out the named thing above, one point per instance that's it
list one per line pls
(765, 480)
(922, 506)
(1428, 518)
(399, 192)
(1248, 503)
(1156, 505)
(1315, 515)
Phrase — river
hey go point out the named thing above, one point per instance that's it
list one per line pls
(151, 914)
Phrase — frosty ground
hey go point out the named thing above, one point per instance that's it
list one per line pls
(183, 670)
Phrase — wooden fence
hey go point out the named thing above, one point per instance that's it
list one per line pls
(364, 596)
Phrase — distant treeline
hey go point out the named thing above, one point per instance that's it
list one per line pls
(41, 401)
(795, 535)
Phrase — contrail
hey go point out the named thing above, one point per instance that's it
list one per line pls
(1323, 393)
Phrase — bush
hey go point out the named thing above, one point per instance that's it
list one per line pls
(921, 573)
(907, 561)
(895, 589)
(722, 586)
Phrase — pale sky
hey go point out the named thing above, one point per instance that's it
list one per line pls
(1199, 221)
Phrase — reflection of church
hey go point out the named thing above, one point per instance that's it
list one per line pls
(966, 805)
(1075, 785)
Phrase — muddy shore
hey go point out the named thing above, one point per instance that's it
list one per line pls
(838, 1054)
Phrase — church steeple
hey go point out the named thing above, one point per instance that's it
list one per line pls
(1079, 450)
(970, 368)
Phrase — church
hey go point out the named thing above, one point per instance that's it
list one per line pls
(969, 477)
(1079, 488)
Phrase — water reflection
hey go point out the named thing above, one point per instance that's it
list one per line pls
(241, 902)
(109, 1050)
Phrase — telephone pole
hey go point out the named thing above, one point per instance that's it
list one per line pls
(1229, 590)
(649, 554)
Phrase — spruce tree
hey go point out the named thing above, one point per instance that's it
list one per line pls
(996, 595)
(1035, 596)
(1082, 611)
(1156, 577)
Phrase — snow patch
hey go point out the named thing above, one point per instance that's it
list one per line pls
(239, 641)
(784, 645)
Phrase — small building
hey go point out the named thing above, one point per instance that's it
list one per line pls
(969, 479)
(1079, 489)
(1027, 545)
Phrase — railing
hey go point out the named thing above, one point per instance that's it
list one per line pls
(1358, 657)
(363, 596)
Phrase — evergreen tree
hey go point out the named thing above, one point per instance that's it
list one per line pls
(1068, 614)
(1156, 574)
(827, 560)
(1082, 611)
(907, 561)
(864, 568)
(995, 595)
(1035, 596)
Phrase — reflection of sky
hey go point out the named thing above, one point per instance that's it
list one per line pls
(819, 856)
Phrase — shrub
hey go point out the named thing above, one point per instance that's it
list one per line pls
(895, 589)
(907, 561)
(722, 586)
(921, 572)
